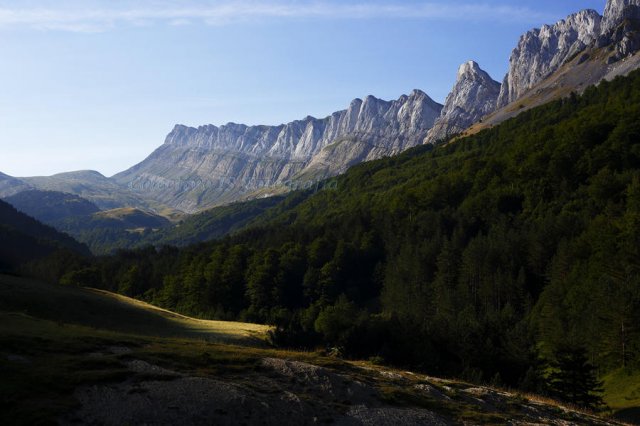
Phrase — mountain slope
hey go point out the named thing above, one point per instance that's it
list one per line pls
(473, 96)
(617, 11)
(90, 185)
(474, 259)
(108, 311)
(23, 239)
(542, 51)
(207, 166)
(570, 56)
(50, 206)
(10, 185)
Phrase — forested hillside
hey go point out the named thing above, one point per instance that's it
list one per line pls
(486, 258)
(24, 239)
(51, 207)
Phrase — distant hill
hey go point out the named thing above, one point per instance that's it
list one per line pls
(212, 224)
(51, 206)
(10, 185)
(23, 238)
(105, 231)
(90, 185)
(102, 231)
(126, 228)
(128, 218)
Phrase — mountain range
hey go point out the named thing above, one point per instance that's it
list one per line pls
(198, 168)
(496, 249)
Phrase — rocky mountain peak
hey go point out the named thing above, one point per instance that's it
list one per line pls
(621, 28)
(469, 70)
(617, 11)
(542, 51)
(219, 164)
(180, 135)
(473, 96)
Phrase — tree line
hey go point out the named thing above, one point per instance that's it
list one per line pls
(508, 256)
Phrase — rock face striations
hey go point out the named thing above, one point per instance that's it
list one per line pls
(473, 96)
(206, 166)
(616, 11)
(211, 165)
(621, 28)
(542, 51)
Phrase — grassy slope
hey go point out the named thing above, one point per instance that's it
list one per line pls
(55, 339)
(104, 310)
(622, 394)
(43, 362)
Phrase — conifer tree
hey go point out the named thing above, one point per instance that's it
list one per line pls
(574, 379)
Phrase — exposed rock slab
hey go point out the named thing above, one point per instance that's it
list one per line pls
(473, 96)
(540, 52)
(212, 165)
(285, 391)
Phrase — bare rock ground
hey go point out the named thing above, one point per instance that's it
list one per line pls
(283, 392)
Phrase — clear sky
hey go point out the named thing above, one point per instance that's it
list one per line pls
(97, 84)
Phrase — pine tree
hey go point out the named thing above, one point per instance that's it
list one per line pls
(574, 379)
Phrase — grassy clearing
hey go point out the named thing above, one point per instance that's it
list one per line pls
(104, 310)
(42, 362)
(54, 339)
(622, 394)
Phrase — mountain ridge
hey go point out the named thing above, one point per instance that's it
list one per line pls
(220, 163)
(539, 54)
(198, 168)
(473, 96)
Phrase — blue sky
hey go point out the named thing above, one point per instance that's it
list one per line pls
(91, 84)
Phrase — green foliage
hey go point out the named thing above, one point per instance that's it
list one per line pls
(337, 321)
(51, 206)
(573, 379)
(105, 234)
(479, 258)
(24, 240)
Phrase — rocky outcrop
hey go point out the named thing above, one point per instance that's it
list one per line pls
(209, 165)
(621, 29)
(473, 96)
(542, 51)
(616, 11)
(197, 168)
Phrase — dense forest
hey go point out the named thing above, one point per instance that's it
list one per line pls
(486, 258)
(107, 231)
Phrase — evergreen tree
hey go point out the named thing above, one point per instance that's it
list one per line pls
(574, 380)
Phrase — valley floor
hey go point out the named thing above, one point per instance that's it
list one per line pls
(66, 371)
